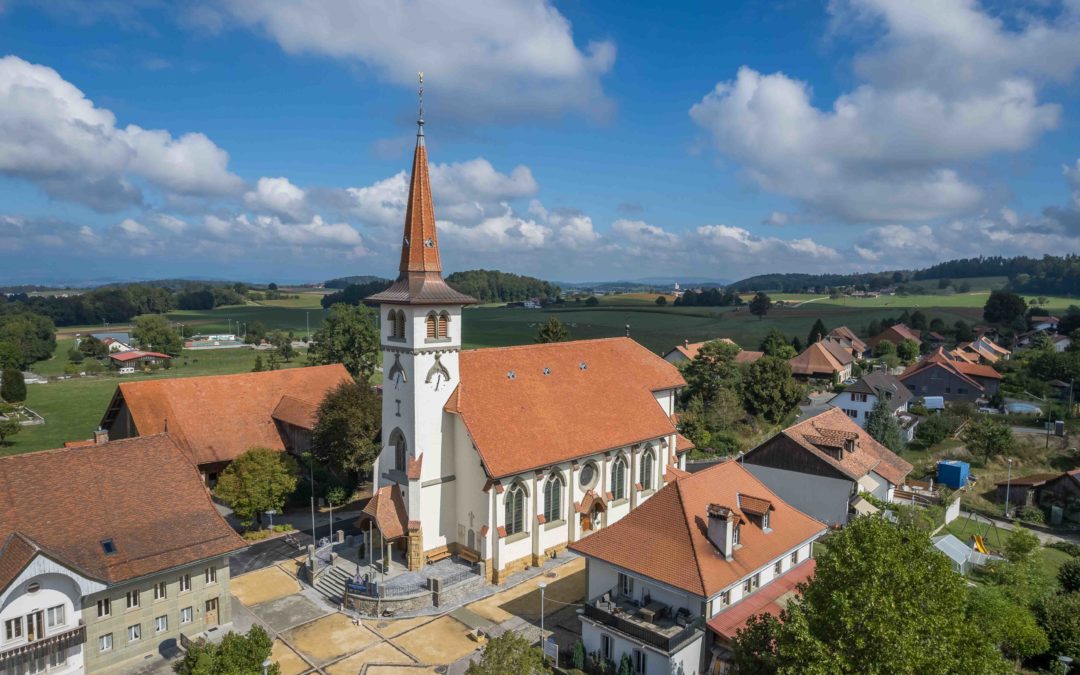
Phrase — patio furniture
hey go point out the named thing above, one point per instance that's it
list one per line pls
(652, 611)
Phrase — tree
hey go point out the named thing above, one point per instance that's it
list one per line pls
(552, 331)
(988, 437)
(273, 362)
(1011, 626)
(661, 300)
(257, 481)
(33, 335)
(768, 389)
(917, 320)
(236, 654)
(13, 386)
(884, 348)
(8, 428)
(10, 356)
(760, 305)
(883, 427)
(258, 367)
(817, 332)
(1069, 575)
(908, 351)
(1003, 307)
(626, 666)
(348, 336)
(963, 332)
(153, 332)
(92, 347)
(870, 589)
(347, 427)
(592, 301)
(509, 653)
(272, 286)
(776, 344)
(1059, 616)
(712, 369)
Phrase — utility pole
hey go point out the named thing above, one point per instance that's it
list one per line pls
(542, 585)
(1008, 486)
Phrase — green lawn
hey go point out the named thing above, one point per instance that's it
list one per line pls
(1050, 559)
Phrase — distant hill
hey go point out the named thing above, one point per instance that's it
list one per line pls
(342, 282)
(496, 286)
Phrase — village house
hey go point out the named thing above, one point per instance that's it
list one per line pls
(981, 350)
(858, 400)
(596, 437)
(114, 345)
(136, 359)
(687, 351)
(825, 360)
(216, 418)
(847, 338)
(1044, 323)
(822, 464)
(954, 379)
(670, 584)
(895, 334)
(109, 552)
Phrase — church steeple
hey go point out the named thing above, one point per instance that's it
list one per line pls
(420, 270)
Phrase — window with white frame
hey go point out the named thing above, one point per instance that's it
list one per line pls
(626, 585)
(210, 575)
(161, 590)
(618, 479)
(58, 658)
(104, 608)
(645, 475)
(553, 491)
(186, 615)
(606, 646)
(639, 662)
(13, 629)
(105, 642)
(185, 583)
(132, 598)
(751, 584)
(735, 534)
(54, 616)
(794, 558)
(515, 509)
(134, 632)
(765, 520)
(778, 567)
(161, 624)
(725, 598)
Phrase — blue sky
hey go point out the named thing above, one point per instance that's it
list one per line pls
(573, 141)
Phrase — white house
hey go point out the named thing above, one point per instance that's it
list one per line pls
(859, 399)
(670, 584)
(505, 455)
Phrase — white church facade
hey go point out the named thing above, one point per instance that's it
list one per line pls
(506, 455)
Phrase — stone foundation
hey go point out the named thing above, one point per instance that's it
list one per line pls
(414, 556)
(509, 568)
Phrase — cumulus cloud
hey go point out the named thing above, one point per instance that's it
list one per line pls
(277, 196)
(638, 233)
(944, 83)
(482, 61)
(55, 137)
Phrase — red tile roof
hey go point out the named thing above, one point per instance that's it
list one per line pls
(673, 522)
(964, 369)
(133, 355)
(217, 418)
(690, 351)
(817, 359)
(830, 429)
(843, 333)
(141, 493)
(769, 599)
(296, 412)
(531, 406)
(896, 334)
(387, 508)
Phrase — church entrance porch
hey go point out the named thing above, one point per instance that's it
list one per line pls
(592, 512)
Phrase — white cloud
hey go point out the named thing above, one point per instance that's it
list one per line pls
(278, 196)
(736, 243)
(641, 234)
(481, 60)
(506, 232)
(944, 83)
(55, 137)
(132, 229)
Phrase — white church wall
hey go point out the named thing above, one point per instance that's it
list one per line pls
(470, 499)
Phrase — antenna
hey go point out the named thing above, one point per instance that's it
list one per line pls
(420, 118)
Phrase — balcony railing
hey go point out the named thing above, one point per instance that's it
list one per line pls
(63, 640)
(666, 638)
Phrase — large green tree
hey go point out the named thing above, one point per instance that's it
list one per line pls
(32, 335)
(882, 601)
(712, 369)
(988, 437)
(257, 481)
(817, 332)
(1059, 616)
(154, 332)
(908, 351)
(768, 389)
(1003, 307)
(512, 653)
(236, 654)
(552, 330)
(776, 344)
(13, 386)
(760, 305)
(347, 428)
(1009, 625)
(348, 336)
(883, 427)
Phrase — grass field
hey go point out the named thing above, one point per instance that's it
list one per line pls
(1050, 559)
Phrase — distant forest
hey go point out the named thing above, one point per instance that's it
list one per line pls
(1049, 275)
(495, 286)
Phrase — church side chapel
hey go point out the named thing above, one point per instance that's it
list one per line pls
(506, 455)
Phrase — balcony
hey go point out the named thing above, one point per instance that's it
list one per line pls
(665, 628)
(63, 640)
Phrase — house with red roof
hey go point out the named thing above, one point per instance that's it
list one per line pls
(670, 584)
(687, 351)
(952, 377)
(137, 359)
(504, 456)
(895, 334)
(824, 360)
(822, 464)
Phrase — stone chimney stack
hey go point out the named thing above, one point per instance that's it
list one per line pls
(101, 436)
(721, 529)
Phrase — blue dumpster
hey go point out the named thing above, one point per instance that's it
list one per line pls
(953, 473)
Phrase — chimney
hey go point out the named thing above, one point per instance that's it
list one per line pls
(101, 436)
(685, 342)
(722, 529)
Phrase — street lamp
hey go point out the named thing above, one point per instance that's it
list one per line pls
(1008, 486)
(542, 585)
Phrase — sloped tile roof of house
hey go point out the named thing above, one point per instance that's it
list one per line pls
(670, 531)
(845, 333)
(896, 394)
(830, 429)
(387, 508)
(896, 334)
(217, 418)
(297, 412)
(136, 354)
(771, 599)
(964, 369)
(573, 399)
(817, 359)
(140, 493)
(690, 351)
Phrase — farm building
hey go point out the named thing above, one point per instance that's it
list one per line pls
(138, 359)
(688, 350)
(825, 359)
(939, 374)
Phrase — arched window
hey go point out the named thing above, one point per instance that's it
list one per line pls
(645, 477)
(399, 324)
(515, 509)
(444, 324)
(553, 491)
(432, 326)
(401, 449)
(618, 479)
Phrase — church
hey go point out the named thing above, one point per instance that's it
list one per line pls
(506, 455)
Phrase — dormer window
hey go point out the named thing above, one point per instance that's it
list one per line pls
(765, 521)
(735, 535)
(108, 546)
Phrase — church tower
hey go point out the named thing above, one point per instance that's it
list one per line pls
(420, 338)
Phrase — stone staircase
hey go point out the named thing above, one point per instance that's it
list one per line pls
(331, 583)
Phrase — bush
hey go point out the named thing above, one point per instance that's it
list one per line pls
(1069, 576)
(13, 386)
(1059, 616)
(579, 655)
(1066, 546)
(1033, 514)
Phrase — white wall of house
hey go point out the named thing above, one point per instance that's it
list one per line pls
(857, 406)
(471, 500)
(685, 661)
